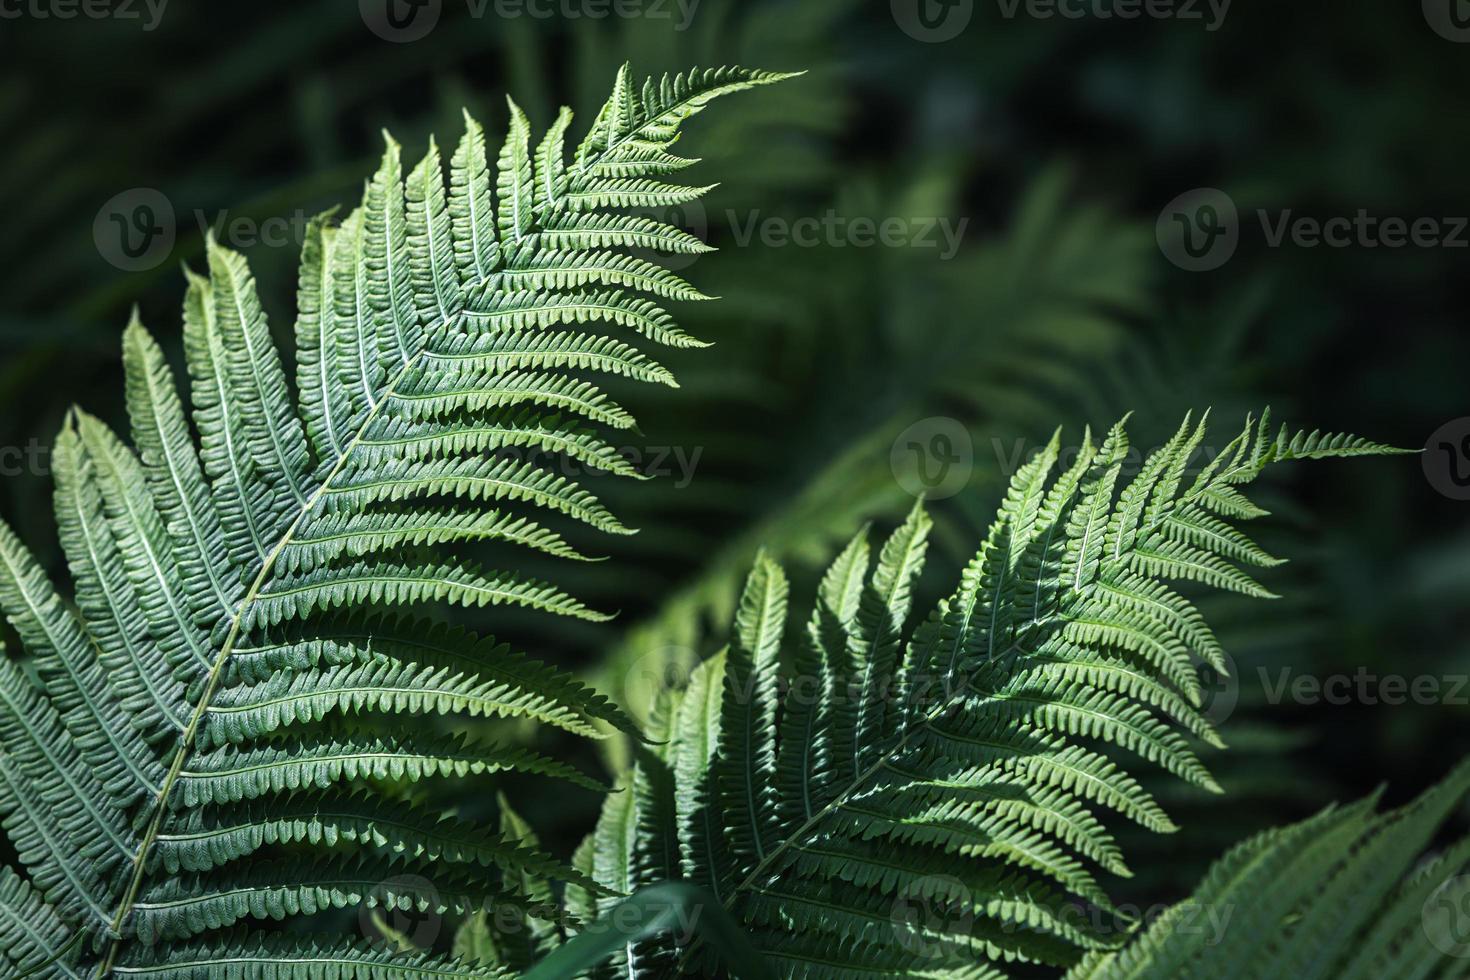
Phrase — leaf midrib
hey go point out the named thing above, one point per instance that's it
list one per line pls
(578, 168)
(216, 672)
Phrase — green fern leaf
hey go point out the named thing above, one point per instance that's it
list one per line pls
(241, 676)
(931, 799)
(1344, 895)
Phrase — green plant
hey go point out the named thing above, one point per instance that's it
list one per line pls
(1344, 895)
(825, 789)
(980, 339)
(238, 675)
(241, 667)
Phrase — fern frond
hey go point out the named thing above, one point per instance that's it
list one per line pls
(1344, 894)
(241, 673)
(258, 956)
(935, 797)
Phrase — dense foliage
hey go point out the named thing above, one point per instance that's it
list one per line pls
(221, 729)
(872, 799)
(1051, 310)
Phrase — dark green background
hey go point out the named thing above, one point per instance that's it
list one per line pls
(1060, 140)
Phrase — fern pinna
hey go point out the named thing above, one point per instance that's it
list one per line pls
(243, 605)
(872, 802)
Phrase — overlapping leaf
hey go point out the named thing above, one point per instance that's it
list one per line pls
(879, 797)
(240, 670)
(1348, 894)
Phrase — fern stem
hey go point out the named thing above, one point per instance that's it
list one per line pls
(216, 671)
(801, 832)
